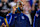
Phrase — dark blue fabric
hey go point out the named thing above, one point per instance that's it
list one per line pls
(2, 20)
(38, 12)
(18, 10)
(19, 20)
(32, 11)
(31, 2)
(8, 17)
(0, 0)
(12, 20)
(22, 22)
(36, 22)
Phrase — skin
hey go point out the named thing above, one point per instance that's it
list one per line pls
(36, 15)
(26, 4)
(0, 4)
(3, 25)
(20, 6)
(33, 6)
(14, 8)
(38, 9)
(23, 0)
(39, 5)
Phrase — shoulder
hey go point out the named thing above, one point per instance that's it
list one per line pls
(24, 15)
(1, 17)
(10, 13)
(37, 12)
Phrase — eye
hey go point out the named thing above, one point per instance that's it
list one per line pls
(23, 5)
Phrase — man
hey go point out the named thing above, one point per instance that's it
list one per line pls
(11, 17)
(2, 22)
(27, 9)
(4, 8)
(36, 22)
(17, 20)
(12, 4)
(3, 25)
(22, 21)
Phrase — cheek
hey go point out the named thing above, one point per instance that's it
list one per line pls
(5, 0)
(14, 9)
(21, 0)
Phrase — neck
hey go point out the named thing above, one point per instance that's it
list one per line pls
(13, 12)
(15, 1)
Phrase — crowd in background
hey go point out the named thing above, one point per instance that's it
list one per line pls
(28, 7)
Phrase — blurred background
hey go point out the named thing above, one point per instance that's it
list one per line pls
(6, 6)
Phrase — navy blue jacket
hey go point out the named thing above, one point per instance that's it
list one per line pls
(2, 20)
(36, 22)
(19, 20)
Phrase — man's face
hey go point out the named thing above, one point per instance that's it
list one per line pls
(14, 9)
